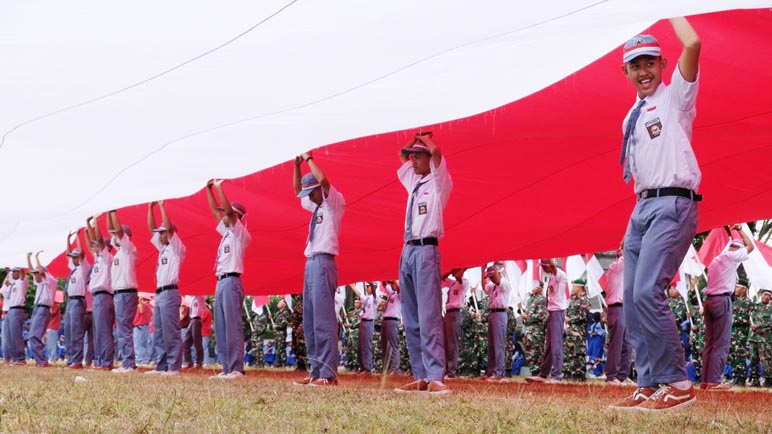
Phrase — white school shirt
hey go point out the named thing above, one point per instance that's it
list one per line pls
(456, 294)
(79, 278)
(4, 292)
(557, 291)
(230, 253)
(196, 303)
(16, 293)
(722, 271)
(369, 306)
(45, 290)
(430, 200)
(170, 258)
(499, 294)
(393, 306)
(124, 272)
(100, 272)
(327, 222)
(615, 281)
(661, 153)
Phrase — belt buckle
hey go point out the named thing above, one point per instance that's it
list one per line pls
(645, 194)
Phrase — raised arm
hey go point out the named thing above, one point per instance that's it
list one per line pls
(79, 245)
(29, 261)
(226, 204)
(89, 233)
(690, 55)
(212, 201)
(749, 246)
(98, 233)
(167, 221)
(296, 175)
(150, 217)
(114, 224)
(317, 172)
(38, 265)
(356, 292)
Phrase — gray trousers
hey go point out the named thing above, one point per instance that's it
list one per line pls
(390, 344)
(103, 317)
(74, 329)
(38, 325)
(88, 338)
(167, 338)
(552, 364)
(497, 335)
(421, 296)
(52, 344)
(451, 325)
(228, 325)
(718, 333)
(320, 326)
(142, 344)
(192, 342)
(618, 359)
(365, 345)
(4, 340)
(125, 310)
(14, 322)
(657, 239)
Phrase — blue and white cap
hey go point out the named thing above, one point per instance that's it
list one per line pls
(308, 183)
(641, 45)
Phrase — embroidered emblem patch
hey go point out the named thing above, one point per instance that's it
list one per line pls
(654, 127)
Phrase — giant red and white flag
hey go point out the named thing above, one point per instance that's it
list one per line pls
(113, 117)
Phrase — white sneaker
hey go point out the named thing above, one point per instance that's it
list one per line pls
(170, 373)
(154, 372)
(123, 370)
(235, 375)
(220, 376)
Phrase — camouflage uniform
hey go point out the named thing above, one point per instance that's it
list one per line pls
(298, 336)
(352, 360)
(509, 345)
(261, 325)
(678, 307)
(376, 344)
(281, 320)
(404, 358)
(575, 341)
(535, 329)
(738, 347)
(468, 346)
(482, 336)
(759, 342)
(697, 343)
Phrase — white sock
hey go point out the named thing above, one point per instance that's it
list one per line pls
(682, 385)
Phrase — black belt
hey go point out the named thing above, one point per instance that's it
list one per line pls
(226, 275)
(165, 288)
(16, 307)
(363, 319)
(102, 292)
(430, 241)
(390, 319)
(615, 304)
(455, 309)
(726, 294)
(43, 305)
(195, 317)
(498, 310)
(670, 191)
(126, 291)
(323, 254)
(77, 297)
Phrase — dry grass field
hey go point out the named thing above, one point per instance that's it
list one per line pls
(265, 401)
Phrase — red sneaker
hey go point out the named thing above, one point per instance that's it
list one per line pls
(414, 386)
(641, 395)
(437, 388)
(320, 382)
(669, 398)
